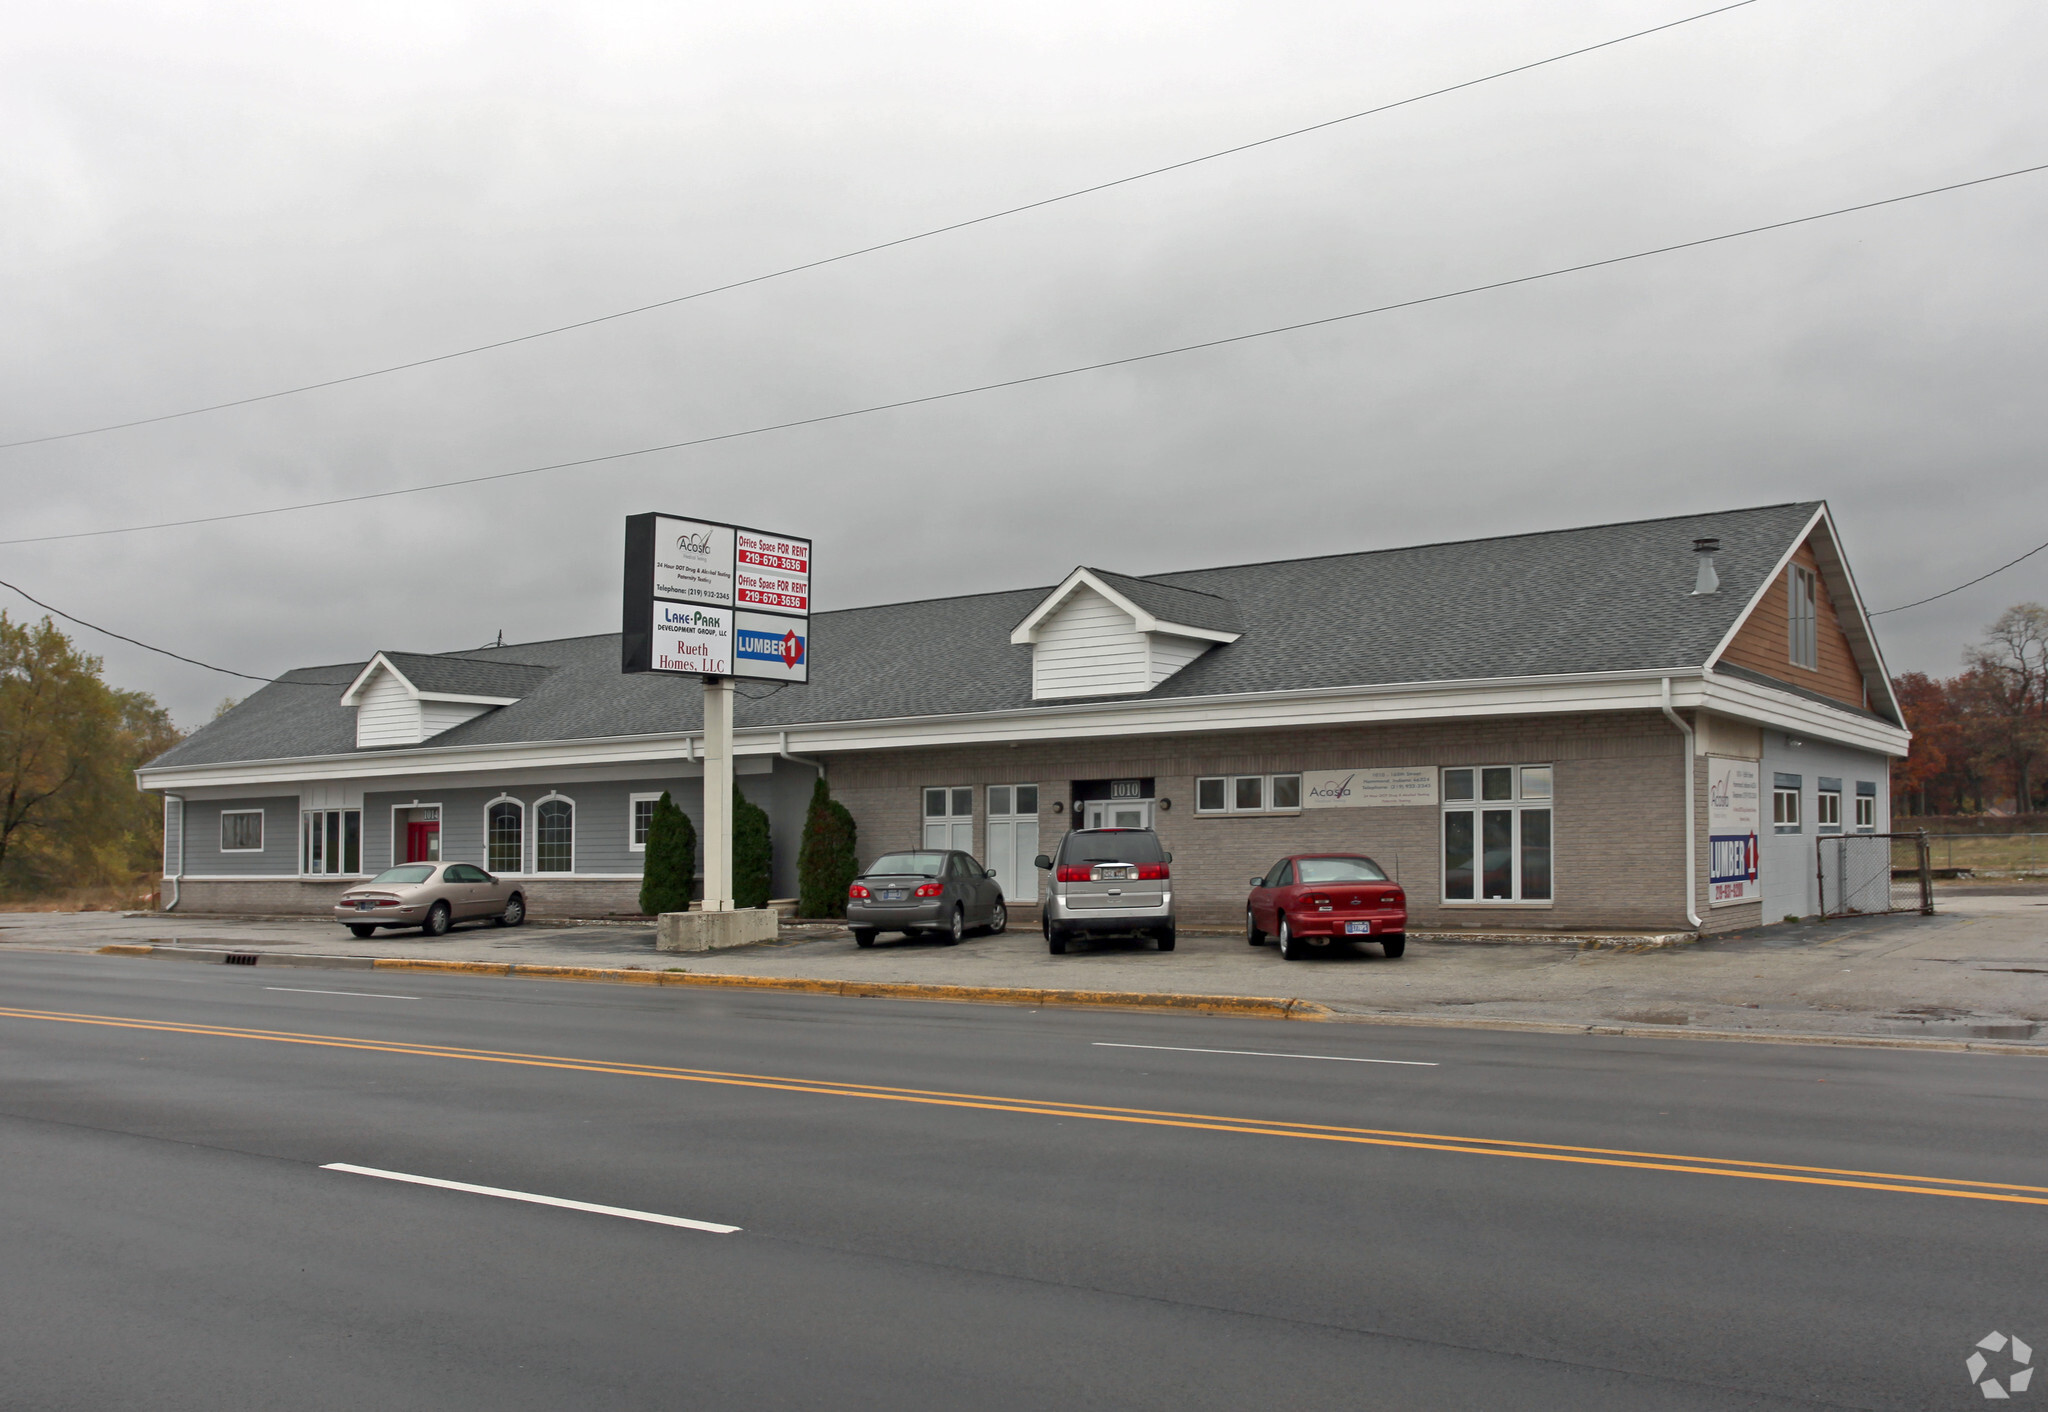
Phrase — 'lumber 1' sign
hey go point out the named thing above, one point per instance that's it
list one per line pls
(716, 600)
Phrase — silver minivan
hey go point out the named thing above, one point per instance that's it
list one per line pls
(1108, 882)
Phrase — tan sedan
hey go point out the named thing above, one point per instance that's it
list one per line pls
(430, 896)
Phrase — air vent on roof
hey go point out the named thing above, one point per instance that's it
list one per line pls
(1704, 550)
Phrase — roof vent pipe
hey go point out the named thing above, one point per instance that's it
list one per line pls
(1704, 550)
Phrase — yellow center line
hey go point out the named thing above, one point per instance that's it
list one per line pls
(1057, 1108)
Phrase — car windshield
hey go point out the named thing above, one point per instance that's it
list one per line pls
(411, 873)
(1112, 846)
(925, 865)
(1332, 870)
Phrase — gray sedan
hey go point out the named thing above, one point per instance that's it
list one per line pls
(937, 891)
(430, 896)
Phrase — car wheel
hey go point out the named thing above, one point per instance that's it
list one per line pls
(1395, 945)
(999, 920)
(1252, 935)
(1055, 941)
(957, 929)
(362, 929)
(863, 936)
(514, 913)
(1166, 938)
(1289, 950)
(438, 917)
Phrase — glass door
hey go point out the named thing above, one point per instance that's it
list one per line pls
(1119, 814)
(949, 819)
(1013, 840)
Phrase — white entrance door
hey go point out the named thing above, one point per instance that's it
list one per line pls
(1119, 814)
(1013, 840)
(949, 819)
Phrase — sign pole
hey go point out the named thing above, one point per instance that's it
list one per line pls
(718, 786)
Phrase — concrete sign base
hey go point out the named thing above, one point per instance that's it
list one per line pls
(714, 931)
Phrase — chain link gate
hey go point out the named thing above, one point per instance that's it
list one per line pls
(1862, 874)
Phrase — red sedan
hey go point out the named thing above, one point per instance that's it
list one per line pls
(1313, 899)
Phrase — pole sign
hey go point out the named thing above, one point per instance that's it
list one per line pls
(716, 600)
(1734, 817)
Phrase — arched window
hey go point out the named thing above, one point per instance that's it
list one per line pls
(554, 836)
(505, 836)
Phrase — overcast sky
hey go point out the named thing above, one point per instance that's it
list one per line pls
(201, 201)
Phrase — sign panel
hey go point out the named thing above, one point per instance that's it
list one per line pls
(1734, 816)
(1368, 789)
(693, 561)
(716, 600)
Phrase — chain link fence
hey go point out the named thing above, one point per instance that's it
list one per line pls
(1862, 874)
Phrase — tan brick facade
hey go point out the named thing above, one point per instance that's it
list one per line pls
(545, 898)
(1619, 791)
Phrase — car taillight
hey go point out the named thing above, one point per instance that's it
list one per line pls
(1151, 872)
(930, 889)
(857, 890)
(1072, 874)
(1318, 900)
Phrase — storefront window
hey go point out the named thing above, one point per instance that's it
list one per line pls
(554, 836)
(1500, 851)
(331, 841)
(505, 836)
(1248, 794)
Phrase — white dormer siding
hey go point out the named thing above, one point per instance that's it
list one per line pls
(1089, 647)
(387, 714)
(1170, 654)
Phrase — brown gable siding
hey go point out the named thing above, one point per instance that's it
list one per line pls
(1764, 644)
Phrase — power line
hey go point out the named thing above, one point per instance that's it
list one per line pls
(866, 249)
(1031, 378)
(1961, 586)
(160, 651)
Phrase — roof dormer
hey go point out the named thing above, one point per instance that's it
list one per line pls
(407, 698)
(1104, 634)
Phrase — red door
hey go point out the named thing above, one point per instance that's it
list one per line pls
(423, 843)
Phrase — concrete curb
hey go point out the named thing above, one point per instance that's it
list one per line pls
(1243, 1006)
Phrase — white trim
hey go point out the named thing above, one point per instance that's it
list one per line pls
(533, 852)
(1266, 809)
(1477, 804)
(262, 830)
(1026, 632)
(632, 812)
(355, 688)
(490, 804)
(440, 820)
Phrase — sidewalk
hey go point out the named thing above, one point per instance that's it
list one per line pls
(1978, 969)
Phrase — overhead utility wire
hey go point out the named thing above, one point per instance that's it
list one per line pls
(1961, 586)
(867, 249)
(1032, 378)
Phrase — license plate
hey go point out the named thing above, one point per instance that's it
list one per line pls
(1358, 928)
(1115, 874)
(364, 906)
(891, 894)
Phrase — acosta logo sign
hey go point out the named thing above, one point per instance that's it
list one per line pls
(697, 544)
(786, 648)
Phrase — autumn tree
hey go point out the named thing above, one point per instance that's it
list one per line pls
(2011, 671)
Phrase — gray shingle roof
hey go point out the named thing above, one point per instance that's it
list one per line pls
(1189, 607)
(464, 676)
(1603, 598)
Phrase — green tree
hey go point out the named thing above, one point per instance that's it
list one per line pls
(825, 863)
(70, 815)
(753, 852)
(668, 876)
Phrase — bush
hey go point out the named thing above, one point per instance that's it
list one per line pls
(753, 852)
(668, 877)
(825, 864)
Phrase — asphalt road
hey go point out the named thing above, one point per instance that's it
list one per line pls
(948, 1206)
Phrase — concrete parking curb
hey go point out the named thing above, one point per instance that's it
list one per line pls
(1449, 1022)
(1243, 1006)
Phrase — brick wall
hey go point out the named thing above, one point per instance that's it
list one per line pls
(311, 897)
(1618, 849)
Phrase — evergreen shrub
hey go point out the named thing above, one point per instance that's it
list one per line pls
(668, 874)
(825, 863)
(753, 852)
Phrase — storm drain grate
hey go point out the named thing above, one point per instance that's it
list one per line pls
(240, 958)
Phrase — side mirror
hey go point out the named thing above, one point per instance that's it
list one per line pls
(1258, 882)
(1169, 855)
(1042, 861)
(988, 872)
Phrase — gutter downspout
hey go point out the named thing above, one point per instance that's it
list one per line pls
(179, 799)
(1691, 824)
(782, 750)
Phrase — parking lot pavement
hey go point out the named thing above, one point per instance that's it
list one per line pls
(1978, 969)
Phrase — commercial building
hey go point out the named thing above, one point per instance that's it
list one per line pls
(1513, 725)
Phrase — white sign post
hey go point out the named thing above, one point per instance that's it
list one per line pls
(716, 601)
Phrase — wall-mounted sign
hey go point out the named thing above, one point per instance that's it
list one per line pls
(715, 600)
(1734, 814)
(1368, 789)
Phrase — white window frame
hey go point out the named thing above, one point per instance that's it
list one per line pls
(440, 817)
(524, 836)
(949, 820)
(227, 814)
(1802, 617)
(1822, 799)
(633, 803)
(1787, 821)
(1265, 805)
(305, 843)
(1866, 813)
(1518, 804)
(533, 850)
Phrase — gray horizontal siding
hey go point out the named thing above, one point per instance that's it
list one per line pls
(280, 855)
